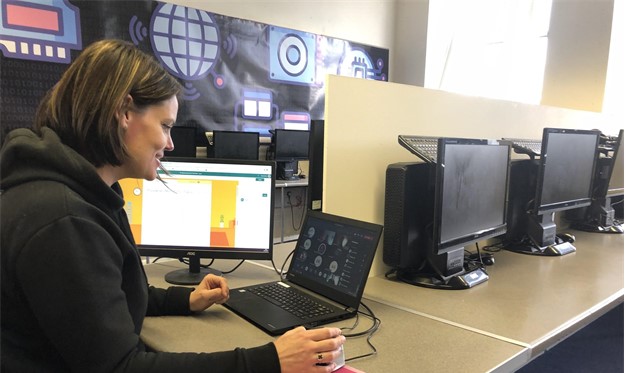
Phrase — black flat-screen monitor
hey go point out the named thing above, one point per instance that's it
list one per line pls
(289, 147)
(235, 145)
(560, 179)
(600, 215)
(459, 200)
(203, 208)
(184, 142)
(316, 164)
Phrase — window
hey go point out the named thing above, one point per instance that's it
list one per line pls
(488, 48)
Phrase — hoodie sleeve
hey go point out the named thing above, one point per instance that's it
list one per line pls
(70, 274)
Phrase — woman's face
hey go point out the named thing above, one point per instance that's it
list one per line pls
(147, 136)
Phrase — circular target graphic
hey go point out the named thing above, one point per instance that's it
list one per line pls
(292, 55)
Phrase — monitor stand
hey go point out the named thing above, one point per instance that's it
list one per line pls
(192, 275)
(599, 217)
(427, 277)
(530, 248)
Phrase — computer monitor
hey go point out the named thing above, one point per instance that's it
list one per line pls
(288, 147)
(316, 164)
(234, 145)
(560, 179)
(457, 201)
(184, 142)
(600, 215)
(203, 208)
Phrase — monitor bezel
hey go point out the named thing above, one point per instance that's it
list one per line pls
(236, 253)
(439, 246)
(538, 209)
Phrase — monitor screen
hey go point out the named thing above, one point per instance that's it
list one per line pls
(290, 145)
(568, 161)
(471, 191)
(183, 141)
(235, 145)
(316, 164)
(204, 208)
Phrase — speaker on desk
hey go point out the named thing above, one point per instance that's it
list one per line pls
(403, 215)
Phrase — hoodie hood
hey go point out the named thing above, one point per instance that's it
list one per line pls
(26, 157)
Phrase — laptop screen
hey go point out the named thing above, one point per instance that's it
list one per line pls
(333, 256)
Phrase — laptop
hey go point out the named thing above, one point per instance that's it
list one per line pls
(329, 266)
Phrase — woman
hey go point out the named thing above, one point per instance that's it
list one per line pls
(74, 292)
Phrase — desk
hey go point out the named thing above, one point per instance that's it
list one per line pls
(430, 346)
(527, 306)
(528, 300)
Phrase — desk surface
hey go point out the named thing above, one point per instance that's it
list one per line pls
(433, 345)
(529, 300)
(527, 306)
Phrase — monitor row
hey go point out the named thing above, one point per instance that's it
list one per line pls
(462, 192)
(467, 190)
(286, 147)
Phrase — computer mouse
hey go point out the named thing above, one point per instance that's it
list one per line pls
(339, 362)
(566, 237)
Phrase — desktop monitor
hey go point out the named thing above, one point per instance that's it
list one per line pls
(184, 142)
(288, 147)
(203, 208)
(433, 210)
(600, 215)
(316, 164)
(559, 180)
(234, 145)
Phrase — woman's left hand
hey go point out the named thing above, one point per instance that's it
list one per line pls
(213, 289)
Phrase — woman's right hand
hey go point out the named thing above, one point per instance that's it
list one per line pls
(314, 350)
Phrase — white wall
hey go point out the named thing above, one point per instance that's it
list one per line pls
(363, 21)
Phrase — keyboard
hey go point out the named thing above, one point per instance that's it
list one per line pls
(291, 300)
(424, 147)
(526, 146)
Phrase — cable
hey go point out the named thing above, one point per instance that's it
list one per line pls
(369, 332)
(233, 269)
(280, 272)
(303, 213)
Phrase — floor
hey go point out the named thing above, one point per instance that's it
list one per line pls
(598, 347)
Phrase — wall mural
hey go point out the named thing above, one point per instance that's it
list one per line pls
(237, 74)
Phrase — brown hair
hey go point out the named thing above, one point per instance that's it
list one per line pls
(81, 108)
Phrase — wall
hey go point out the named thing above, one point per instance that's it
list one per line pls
(578, 53)
(367, 22)
(578, 50)
(363, 119)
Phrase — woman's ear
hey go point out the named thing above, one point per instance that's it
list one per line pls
(122, 114)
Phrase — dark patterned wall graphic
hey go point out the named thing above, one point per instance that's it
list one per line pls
(238, 74)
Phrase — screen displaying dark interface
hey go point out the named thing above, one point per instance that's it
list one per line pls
(334, 255)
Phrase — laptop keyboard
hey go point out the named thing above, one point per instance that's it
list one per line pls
(290, 300)
(424, 147)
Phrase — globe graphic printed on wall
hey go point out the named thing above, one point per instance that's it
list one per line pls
(186, 41)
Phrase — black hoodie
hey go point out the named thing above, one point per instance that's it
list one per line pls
(74, 292)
